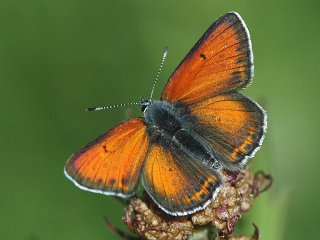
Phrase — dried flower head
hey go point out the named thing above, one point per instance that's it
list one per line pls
(236, 196)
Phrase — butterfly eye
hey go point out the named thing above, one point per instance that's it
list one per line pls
(144, 104)
(143, 108)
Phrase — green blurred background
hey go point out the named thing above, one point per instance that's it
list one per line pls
(58, 57)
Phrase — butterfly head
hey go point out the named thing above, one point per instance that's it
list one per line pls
(144, 103)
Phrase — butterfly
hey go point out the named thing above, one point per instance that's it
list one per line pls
(200, 126)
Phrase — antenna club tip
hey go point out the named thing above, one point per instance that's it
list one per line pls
(165, 51)
(90, 109)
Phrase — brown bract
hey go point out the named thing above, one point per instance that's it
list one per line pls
(236, 196)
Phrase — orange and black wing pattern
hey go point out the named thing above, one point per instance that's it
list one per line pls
(219, 62)
(233, 125)
(177, 183)
(111, 164)
(201, 126)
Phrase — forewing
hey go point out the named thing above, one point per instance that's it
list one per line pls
(233, 125)
(177, 183)
(220, 61)
(111, 164)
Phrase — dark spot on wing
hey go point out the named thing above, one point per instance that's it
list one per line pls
(235, 73)
(125, 181)
(105, 148)
(203, 196)
(112, 181)
(196, 186)
(248, 148)
(203, 56)
(201, 181)
(235, 79)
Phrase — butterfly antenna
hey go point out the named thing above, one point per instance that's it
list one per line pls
(93, 109)
(165, 51)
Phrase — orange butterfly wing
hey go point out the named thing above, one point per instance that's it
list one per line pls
(111, 164)
(220, 61)
(177, 183)
(233, 125)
